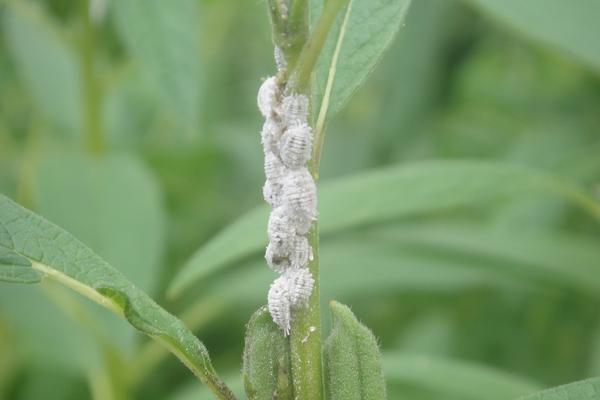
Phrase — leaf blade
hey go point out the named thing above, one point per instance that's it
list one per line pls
(560, 25)
(454, 378)
(582, 390)
(56, 254)
(164, 39)
(355, 47)
(434, 186)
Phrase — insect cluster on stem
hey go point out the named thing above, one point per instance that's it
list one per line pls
(291, 192)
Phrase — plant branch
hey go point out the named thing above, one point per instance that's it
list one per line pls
(91, 93)
(305, 337)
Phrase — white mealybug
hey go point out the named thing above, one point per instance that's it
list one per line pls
(280, 60)
(302, 223)
(294, 109)
(277, 258)
(271, 134)
(300, 284)
(300, 193)
(268, 96)
(272, 192)
(281, 232)
(274, 169)
(299, 252)
(278, 301)
(296, 146)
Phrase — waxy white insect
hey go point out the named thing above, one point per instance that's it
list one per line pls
(272, 193)
(296, 146)
(270, 135)
(300, 193)
(294, 109)
(280, 231)
(292, 194)
(274, 168)
(278, 302)
(267, 96)
(280, 60)
(300, 284)
(290, 291)
(300, 252)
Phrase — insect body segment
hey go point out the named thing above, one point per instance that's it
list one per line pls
(291, 192)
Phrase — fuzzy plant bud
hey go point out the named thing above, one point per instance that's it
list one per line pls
(296, 146)
(300, 193)
(294, 109)
(267, 96)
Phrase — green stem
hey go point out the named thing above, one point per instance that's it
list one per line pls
(91, 93)
(305, 337)
(290, 34)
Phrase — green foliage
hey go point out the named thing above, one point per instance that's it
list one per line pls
(433, 189)
(266, 369)
(458, 199)
(165, 41)
(453, 378)
(583, 390)
(46, 63)
(555, 23)
(55, 254)
(351, 359)
(358, 40)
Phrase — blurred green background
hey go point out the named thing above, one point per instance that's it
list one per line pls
(137, 131)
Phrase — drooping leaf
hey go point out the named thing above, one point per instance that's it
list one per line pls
(57, 255)
(266, 369)
(164, 39)
(45, 62)
(363, 31)
(572, 28)
(453, 378)
(351, 359)
(382, 195)
(582, 390)
(112, 204)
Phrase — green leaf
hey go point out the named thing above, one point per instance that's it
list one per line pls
(351, 359)
(549, 257)
(164, 39)
(112, 204)
(45, 62)
(453, 378)
(556, 23)
(381, 195)
(582, 390)
(266, 369)
(354, 46)
(57, 255)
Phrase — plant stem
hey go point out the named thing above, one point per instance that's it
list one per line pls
(91, 93)
(301, 55)
(305, 337)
